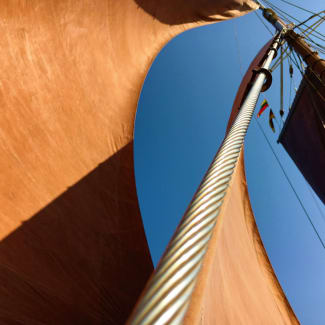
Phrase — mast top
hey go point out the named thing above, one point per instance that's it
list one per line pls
(272, 17)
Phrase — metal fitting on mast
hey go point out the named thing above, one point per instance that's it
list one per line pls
(272, 18)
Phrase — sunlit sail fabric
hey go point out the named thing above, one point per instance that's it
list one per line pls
(73, 249)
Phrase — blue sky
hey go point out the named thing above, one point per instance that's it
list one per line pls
(181, 121)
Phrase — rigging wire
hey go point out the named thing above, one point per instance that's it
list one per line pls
(312, 27)
(301, 8)
(315, 44)
(279, 12)
(294, 84)
(309, 29)
(311, 17)
(291, 79)
(320, 38)
(290, 94)
(316, 201)
(301, 62)
(298, 58)
(262, 21)
(284, 15)
(280, 59)
(281, 86)
(291, 185)
(278, 160)
(295, 61)
(304, 76)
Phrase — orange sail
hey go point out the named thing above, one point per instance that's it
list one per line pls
(73, 249)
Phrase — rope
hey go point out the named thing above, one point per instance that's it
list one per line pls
(292, 62)
(310, 29)
(288, 179)
(279, 13)
(301, 8)
(291, 185)
(311, 40)
(316, 202)
(295, 61)
(281, 87)
(291, 77)
(278, 160)
(301, 63)
(280, 59)
(304, 76)
(311, 17)
(284, 15)
(262, 21)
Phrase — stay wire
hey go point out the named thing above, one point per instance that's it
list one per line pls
(280, 59)
(315, 44)
(316, 36)
(316, 202)
(279, 12)
(301, 8)
(311, 17)
(262, 21)
(290, 94)
(293, 54)
(283, 13)
(306, 78)
(281, 85)
(278, 160)
(301, 63)
(291, 185)
(291, 77)
(310, 29)
(292, 62)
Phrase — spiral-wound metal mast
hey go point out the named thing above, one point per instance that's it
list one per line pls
(168, 293)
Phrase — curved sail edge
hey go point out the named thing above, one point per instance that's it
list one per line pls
(73, 248)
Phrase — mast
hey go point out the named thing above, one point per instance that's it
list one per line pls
(305, 124)
(313, 60)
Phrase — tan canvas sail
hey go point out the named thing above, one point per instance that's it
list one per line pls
(72, 248)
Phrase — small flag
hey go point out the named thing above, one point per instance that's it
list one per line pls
(271, 117)
(291, 71)
(264, 106)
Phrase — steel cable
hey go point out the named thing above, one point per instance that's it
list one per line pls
(167, 294)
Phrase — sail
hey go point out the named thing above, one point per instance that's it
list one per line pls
(303, 134)
(237, 284)
(73, 248)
